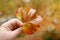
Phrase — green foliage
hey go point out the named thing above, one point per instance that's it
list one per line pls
(48, 38)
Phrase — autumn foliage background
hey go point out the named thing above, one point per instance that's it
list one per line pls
(48, 9)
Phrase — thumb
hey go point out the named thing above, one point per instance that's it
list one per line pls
(16, 32)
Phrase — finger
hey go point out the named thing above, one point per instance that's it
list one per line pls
(16, 32)
(14, 23)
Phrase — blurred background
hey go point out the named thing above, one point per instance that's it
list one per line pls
(48, 9)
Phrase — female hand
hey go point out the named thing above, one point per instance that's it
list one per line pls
(11, 29)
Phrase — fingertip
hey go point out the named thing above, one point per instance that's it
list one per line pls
(19, 23)
(18, 31)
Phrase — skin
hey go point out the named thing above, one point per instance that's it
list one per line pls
(11, 29)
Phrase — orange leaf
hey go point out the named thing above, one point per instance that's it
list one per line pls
(30, 20)
(27, 29)
(36, 21)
